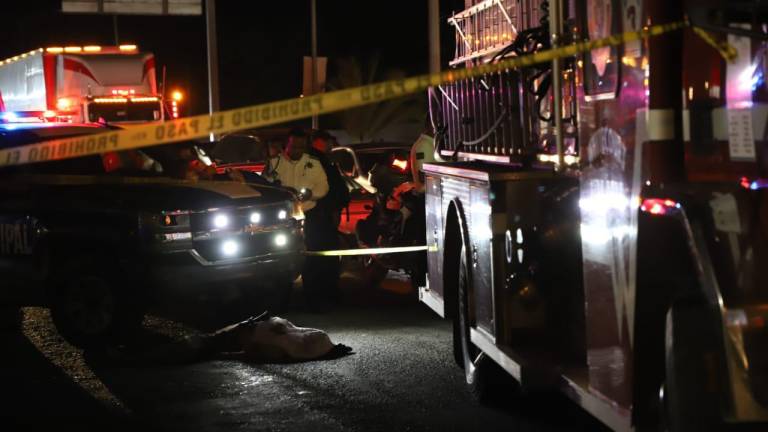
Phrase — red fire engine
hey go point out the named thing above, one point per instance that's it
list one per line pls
(82, 84)
(599, 223)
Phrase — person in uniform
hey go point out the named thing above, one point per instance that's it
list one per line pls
(296, 169)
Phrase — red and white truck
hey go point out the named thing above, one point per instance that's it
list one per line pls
(114, 84)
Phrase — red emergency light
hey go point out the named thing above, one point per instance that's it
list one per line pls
(658, 206)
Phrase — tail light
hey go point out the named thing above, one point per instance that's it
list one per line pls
(111, 161)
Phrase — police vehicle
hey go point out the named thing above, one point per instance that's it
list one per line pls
(93, 237)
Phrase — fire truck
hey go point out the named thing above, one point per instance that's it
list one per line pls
(598, 224)
(83, 84)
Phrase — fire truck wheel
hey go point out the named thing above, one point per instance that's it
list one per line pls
(91, 308)
(693, 382)
(458, 350)
(481, 372)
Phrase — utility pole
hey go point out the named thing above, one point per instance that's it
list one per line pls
(213, 56)
(313, 7)
(434, 36)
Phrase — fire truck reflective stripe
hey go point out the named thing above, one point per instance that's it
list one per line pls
(202, 126)
(660, 124)
(371, 251)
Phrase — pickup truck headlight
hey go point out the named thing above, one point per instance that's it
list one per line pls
(220, 221)
(230, 248)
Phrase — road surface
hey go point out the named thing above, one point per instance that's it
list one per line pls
(402, 377)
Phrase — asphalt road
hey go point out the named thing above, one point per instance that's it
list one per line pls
(401, 377)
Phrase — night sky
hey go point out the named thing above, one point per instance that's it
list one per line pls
(260, 47)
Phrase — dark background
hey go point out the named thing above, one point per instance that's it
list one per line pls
(261, 43)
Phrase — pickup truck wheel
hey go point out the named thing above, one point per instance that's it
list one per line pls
(480, 371)
(690, 398)
(90, 310)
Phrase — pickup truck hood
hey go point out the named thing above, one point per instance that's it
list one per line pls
(146, 193)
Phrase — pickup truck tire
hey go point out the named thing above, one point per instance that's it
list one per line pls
(694, 374)
(93, 307)
(481, 373)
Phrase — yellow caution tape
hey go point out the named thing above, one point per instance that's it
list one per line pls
(371, 251)
(726, 50)
(189, 128)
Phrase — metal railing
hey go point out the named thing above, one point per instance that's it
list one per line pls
(484, 29)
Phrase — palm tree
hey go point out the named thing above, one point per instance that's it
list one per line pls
(366, 122)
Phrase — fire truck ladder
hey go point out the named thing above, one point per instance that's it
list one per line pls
(482, 30)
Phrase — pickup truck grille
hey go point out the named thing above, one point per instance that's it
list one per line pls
(241, 237)
(248, 246)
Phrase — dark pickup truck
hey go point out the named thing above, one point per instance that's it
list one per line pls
(93, 237)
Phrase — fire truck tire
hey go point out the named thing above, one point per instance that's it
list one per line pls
(458, 353)
(693, 378)
(93, 307)
(481, 373)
